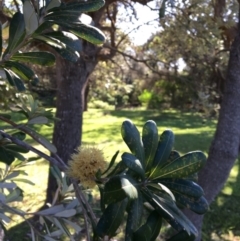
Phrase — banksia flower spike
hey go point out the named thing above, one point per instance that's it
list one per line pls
(84, 165)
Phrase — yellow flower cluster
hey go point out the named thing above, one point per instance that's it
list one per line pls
(84, 164)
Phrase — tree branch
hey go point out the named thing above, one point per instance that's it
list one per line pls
(26, 146)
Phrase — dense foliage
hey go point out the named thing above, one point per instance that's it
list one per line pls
(153, 176)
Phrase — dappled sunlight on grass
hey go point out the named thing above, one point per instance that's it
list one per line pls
(34, 195)
(103, 129)
(191, 132)
(222, 222)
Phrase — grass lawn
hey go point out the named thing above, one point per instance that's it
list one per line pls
(102, 128)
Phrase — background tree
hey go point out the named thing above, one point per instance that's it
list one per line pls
(92, 54)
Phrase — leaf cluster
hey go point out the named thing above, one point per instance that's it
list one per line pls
(155, 177)
(45, 25)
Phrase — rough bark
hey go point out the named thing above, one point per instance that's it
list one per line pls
(71, 81)
(225, 146)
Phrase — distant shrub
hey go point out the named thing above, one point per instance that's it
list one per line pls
(99, 104)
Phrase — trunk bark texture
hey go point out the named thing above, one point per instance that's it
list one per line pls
(71, 82)
(224, 149)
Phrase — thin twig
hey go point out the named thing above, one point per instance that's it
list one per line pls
(23, 128)
(85, 202)
(23, 216)
(79, 197)
(30, 148)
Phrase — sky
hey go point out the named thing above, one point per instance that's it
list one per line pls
(145, 15)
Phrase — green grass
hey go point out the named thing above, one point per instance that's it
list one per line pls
(191, 132)
(102, 128)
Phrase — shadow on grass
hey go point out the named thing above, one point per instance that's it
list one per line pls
(45, 130)
(222, 222)
(19, 232)
(170, 118)
(224, 214)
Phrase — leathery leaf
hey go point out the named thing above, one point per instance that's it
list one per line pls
(133, 164)
(186, 187)
(163, 152)
(167, 208)
(153, 224)
(197, 205)
(181, 167)
(134, 210)
(120, 187)
(131, 136)
(150, 142)
(111, 219)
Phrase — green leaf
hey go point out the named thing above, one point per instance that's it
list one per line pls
(193, 177)
(38, 120)
(66, 213)
(118, 169)
(1, 39)
(52, 210)
(5, 156)
(197, 205)
(133, 164)
(14, 80)
(68, 54)
(19, 135)
(154, 221)
(135, 210)
(150, 142)
(63, 18)
(7, 116)
(173, 155)
(8, 185)
(12, 175)
(70, 40)
(41, 58)
(21, 70)
(74, 225)
(87, 32)
(170, 212)
(61, 225)
(16, 148)
(65, 49)
(53, 42)
(53, 4)
(44, 26)
(9, 77)
(15, 154)
(159, 188)
(120, 187)
(182, 236)
(5, 218)
(111, 162)
(111, 219)
(151, 228)
(182, 166)
(183, 186)
(46, 143)
(88, 6)
(131, 136)
(142, 234)
(164, 149)
(14, 196)
(30, 17)
(24, 180)
(16, 32)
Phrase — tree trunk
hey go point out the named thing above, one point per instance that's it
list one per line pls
(225, 146)
(71, 81)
